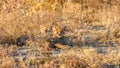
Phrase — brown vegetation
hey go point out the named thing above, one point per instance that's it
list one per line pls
(87, 22)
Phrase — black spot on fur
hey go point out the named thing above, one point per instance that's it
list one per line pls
(21, 41)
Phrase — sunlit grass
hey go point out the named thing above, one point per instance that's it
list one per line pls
(94, 20)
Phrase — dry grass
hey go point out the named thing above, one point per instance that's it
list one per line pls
(93, 21)
(85, 57)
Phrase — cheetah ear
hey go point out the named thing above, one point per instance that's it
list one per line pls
(63, 31)
(51, 31)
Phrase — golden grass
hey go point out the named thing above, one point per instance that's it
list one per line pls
(35, 18)
(70, 58)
